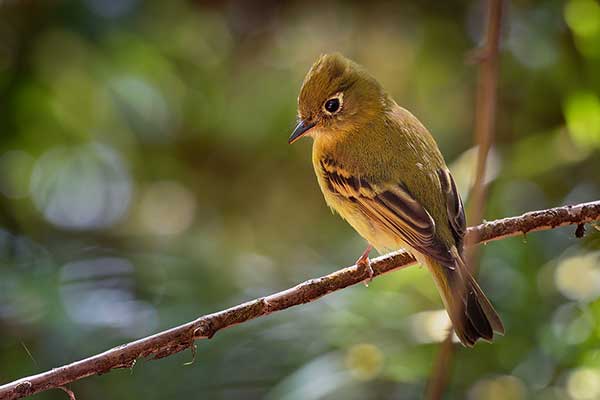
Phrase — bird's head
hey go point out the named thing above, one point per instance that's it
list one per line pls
(337, 96)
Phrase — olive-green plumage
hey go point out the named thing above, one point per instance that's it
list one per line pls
(382, 171)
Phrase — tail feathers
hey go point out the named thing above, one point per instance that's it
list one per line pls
(486, 307)
(473, 316)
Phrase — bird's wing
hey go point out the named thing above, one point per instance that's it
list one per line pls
(454, 206)
(391, 207)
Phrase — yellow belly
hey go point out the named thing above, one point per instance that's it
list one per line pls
(382, 239)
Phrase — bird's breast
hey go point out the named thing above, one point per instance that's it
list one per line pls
(330, 176)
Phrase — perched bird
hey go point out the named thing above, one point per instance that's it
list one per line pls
(382, 171)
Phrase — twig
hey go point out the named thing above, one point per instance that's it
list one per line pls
(484, 133)
(69, 392)
(177, 339)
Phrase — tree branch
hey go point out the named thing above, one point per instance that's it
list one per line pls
(182, 337)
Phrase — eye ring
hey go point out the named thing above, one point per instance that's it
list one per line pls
(334, 104)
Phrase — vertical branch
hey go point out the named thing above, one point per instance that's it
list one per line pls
(483, 135)
(485, 109)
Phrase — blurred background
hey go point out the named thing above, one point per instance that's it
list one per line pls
(145, 180)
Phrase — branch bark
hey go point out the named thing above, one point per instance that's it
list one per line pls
(179, 338)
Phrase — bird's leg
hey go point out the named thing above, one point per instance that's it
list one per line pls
(363, 263)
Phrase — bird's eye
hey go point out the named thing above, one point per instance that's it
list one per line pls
(333, 105)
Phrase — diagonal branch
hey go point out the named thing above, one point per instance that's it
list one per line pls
(174, 340)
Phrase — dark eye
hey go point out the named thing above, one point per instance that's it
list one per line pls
(332, 105)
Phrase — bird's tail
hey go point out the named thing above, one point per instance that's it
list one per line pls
(472, 315)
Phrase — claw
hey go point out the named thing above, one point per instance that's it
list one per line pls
(364, 264)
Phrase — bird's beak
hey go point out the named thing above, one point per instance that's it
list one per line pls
(299, 131)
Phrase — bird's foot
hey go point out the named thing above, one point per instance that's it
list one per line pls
(364, 265)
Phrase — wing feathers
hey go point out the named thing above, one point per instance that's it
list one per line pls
(392, 207)
(454, 206)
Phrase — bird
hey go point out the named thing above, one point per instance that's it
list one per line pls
(381, 170)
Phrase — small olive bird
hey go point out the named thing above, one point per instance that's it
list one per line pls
(382, 171)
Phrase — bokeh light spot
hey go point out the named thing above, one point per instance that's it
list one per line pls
(501, 388)
(430, 326)
(531, 37)
(364, 361)
(167, 208)
(582, 113)
(144, 107)
(584, 384)
(578, 277)
(583, 16)
(99, 292)
(85, 187)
